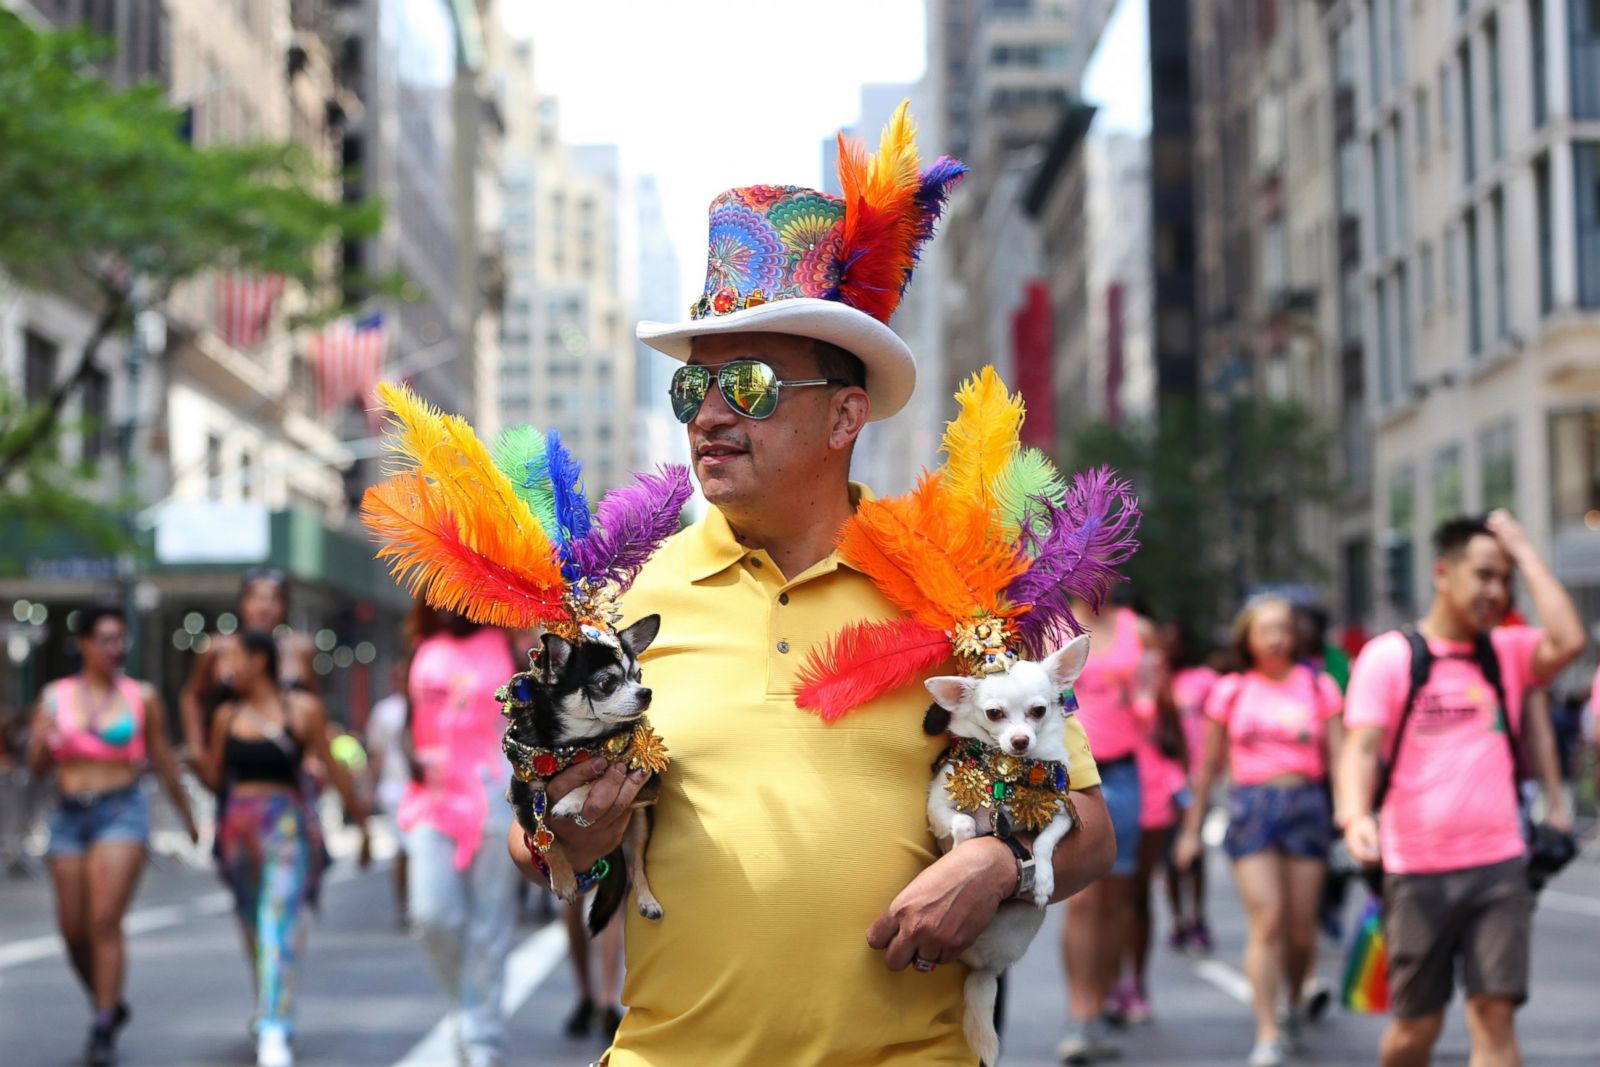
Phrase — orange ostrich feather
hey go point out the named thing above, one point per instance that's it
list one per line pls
(513, 583)
(883, 219)
(936, 556)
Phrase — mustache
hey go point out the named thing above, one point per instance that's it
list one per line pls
(729, 440)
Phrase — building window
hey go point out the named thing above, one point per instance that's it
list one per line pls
(1469, 237)
(94, 410)
(1425, 278)
(1375, 51)
(1491, 41)
(1407, 363)
(1583, 20)
(1575, 464)
(1586, 167)
(38, 367)
(1502, 296)
(1397, 61)
(1448, 255)
(1380, 194)
(1385, 346)
(1541, 192)
(1468, 140)
(1402, 207)
(246, 475)
(1498, 466)
(1357, 565)
(1541, 92)
(213, 467)
(1448, 492)
(1401, 536)
(1444, 104)
(1419, 111)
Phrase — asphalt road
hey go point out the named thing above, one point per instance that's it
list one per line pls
(368, 999)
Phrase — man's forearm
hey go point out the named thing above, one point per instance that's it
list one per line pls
(1356, 779)
(1087, 853)
(1557, 614)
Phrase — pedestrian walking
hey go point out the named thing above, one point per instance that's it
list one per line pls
(463, 895)
(1442, 710)
(268, 848)
(99, 730)
(1276, 725)
(1116, 705)
(780, 842)
(388, 749)
(1192, 679)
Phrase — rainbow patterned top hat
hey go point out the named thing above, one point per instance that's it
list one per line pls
(791, 260)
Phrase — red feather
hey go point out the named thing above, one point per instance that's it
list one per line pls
(865, 660)
(424, 548)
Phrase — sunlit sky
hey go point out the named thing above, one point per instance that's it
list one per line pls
(1118, 76)
(707, 96)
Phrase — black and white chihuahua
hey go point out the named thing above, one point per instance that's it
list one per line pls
(1018, 713)
(577, 695)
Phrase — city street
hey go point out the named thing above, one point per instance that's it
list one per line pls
(368, 1000)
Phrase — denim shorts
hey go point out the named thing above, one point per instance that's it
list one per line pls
(84, 820)
(1119, 785)
(1293, 820)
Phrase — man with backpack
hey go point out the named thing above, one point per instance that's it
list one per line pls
(1435, 731)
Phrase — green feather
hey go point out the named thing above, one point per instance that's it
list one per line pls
(1025, 478)
(519, 454)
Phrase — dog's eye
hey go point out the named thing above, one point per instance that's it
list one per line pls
(1037, 711)
(995, 714)
(606, 684)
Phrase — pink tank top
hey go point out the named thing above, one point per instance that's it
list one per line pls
(116, 734)
(1109, 703)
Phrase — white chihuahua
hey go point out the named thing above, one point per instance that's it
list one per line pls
(1015, 719)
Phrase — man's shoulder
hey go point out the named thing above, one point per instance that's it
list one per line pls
(1383, 651)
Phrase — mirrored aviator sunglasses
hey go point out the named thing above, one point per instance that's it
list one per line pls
(749, 386)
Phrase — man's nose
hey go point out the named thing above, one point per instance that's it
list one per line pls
(714, 410)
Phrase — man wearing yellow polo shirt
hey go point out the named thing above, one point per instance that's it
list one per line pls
(792, 857)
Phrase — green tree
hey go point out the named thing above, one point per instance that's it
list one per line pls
(1224, 494)
(98, 188)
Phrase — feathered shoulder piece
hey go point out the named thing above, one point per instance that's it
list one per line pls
(984, 557)
(890, 208)
(504, 535)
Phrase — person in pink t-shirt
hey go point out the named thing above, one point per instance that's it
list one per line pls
(1450, 835)
(1277, 725)
(1192, 682)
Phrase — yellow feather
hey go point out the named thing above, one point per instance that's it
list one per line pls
(461, 476)
(897, 167)
(982, 438)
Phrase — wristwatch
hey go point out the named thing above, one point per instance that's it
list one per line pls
(1025, 868)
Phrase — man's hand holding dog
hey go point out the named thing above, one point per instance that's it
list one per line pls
(599, 828)
(947, 906)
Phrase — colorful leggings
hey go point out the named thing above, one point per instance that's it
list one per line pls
(265, 856)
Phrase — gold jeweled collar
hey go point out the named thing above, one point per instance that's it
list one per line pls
(1028, 792)
(640, 748)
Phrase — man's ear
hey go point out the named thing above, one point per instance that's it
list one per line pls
(950, 690)
(1065, 664)
(556, 653)
(637, 637)
(851, 409)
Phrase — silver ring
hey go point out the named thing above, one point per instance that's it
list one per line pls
(579, 821)
(925, 966)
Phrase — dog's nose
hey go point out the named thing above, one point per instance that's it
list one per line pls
(1019, 744)
(644, 698)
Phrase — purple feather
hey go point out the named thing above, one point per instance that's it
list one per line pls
(632, 522)
(1076, 550)
(934, 189)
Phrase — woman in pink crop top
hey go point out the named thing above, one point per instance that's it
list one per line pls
(1115, 695)
(98, 730)
(1277, 724)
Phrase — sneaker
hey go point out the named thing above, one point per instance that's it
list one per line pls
(102, 1050)
(1114, 1012)
(121, 1015)
(1136, 1006)
(1200, 939)
(1085, 1043)
(610, 1019)
(1180, 938)
(578, 1023)
(272, 1048)
(1318, 1000)
(1293, 1023)
(1267, 1053)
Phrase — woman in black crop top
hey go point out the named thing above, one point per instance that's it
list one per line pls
(266, 849)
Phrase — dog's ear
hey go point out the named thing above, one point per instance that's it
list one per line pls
(637, 637)
(936, 721)
(1065, 664)
(950, 690)
(554, 657)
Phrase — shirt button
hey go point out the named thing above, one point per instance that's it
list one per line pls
(754, 562)
(783, 646)
(783, 598)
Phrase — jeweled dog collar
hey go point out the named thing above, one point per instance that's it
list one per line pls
(1027, 792)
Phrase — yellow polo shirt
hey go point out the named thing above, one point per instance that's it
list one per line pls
(778, 838)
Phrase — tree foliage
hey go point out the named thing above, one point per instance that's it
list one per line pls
(98, 188)
(1224, 494)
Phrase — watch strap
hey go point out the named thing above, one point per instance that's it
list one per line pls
(1025, 863)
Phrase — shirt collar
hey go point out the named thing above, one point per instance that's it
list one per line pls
(711, 547)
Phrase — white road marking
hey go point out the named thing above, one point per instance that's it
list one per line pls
(526, 969)
(1228, 979)
(1570, 902)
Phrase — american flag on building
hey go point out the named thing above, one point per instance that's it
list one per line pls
(244, 306)
(347, 359)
